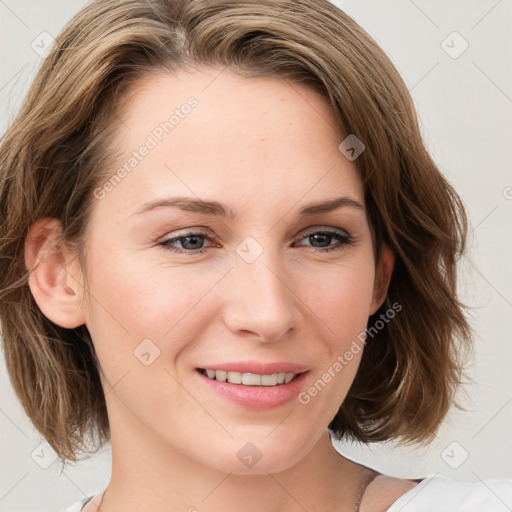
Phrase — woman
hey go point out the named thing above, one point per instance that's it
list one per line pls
(225, 243)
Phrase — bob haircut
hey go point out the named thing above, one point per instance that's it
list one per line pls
(57, 151)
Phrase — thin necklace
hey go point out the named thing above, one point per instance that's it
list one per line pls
(359, 498)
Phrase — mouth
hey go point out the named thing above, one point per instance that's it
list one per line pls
(254, 391)
(249, 379)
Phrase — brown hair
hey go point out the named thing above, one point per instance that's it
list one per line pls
(55, 152)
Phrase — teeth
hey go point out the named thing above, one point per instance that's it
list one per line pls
(250, 379)
(220, 375)
(235, 377)
(268, 380)
(288, 377)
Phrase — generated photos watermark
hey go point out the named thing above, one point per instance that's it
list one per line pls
(153, 139)
(344, 359)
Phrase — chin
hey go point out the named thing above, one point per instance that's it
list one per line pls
(257, 455)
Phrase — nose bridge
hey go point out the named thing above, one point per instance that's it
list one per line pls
(261, 297)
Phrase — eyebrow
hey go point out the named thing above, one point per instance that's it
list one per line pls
(222, 210)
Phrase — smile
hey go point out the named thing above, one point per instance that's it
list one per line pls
(249, 379)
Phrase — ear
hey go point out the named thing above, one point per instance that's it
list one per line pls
(54, 275)
(383, 273)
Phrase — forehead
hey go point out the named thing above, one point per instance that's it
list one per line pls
(251, 142)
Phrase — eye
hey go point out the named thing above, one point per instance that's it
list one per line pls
(192, 242)
(324, 238)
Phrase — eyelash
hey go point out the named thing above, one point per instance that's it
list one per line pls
(345, 239)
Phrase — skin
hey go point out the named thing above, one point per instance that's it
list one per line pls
(265, 148)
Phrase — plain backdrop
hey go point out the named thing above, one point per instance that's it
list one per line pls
(455, 58)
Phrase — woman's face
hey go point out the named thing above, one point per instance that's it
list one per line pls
(232, 287)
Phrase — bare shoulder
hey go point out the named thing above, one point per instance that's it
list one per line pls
(383, 491)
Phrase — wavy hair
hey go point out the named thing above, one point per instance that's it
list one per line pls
(54, 154)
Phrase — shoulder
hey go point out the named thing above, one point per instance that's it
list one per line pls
(437, 493)
(383, 491)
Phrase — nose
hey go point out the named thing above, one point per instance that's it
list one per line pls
(259, 299)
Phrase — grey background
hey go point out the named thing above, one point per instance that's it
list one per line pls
(465, 106)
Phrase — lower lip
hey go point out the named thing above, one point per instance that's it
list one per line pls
(256, 397)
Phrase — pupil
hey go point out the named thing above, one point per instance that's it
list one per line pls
(324, 236)
(193, 238)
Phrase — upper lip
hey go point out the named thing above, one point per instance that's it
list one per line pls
(257, 367)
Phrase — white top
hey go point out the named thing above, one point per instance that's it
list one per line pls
(434, 493)
(440, 494)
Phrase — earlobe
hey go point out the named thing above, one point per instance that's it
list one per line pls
(52, 280)
(383, 273)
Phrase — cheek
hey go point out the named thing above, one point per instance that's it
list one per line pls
(144, 300)
(144, 316)
(341, 303)
(342, 296)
